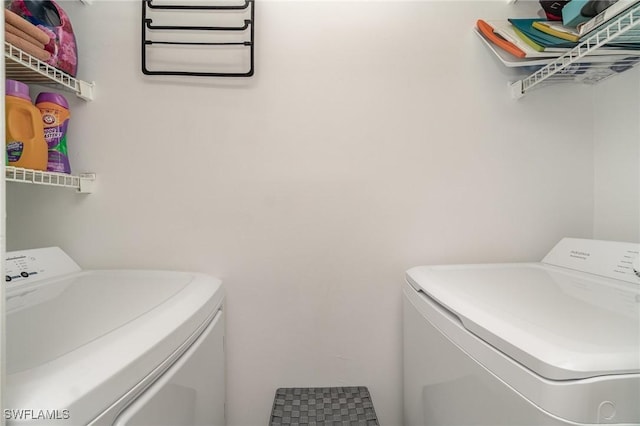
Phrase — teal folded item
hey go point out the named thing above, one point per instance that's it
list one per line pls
(571, 13)
(540, 37)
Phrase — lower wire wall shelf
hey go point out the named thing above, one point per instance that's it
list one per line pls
(83, 183)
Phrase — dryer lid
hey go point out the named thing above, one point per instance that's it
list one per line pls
(82, 340)
(50, 320)
(560, 323)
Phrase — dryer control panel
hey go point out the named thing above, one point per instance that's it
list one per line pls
(609, 259)
(37, 264)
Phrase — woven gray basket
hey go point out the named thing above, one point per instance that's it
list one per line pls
(344, 406)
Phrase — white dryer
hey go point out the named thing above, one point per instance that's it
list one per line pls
(111, 347)
(549, 343)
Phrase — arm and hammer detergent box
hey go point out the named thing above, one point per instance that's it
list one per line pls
(55, 118)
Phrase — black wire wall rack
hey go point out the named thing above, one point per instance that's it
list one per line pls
(244, 31)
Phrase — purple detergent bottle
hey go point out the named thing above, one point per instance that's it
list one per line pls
(55, 117)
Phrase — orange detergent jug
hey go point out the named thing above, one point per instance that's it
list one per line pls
(25, 143)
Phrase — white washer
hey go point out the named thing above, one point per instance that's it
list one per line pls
(112, 347)
(550, 343)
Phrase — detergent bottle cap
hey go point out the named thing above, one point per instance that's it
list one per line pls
(17, 89)
(53, 98)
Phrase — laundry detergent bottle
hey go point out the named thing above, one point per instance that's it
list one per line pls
(55, 119)
(25, 143)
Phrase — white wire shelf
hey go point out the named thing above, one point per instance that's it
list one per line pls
(83, 183)
(27, 69)
(574, 66)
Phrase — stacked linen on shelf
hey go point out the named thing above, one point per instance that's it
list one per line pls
(26, 36)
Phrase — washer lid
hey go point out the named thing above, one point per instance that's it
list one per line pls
(560, 323)
(81, 341)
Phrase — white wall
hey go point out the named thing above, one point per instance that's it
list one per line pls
(617, 158)
(374, 137)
